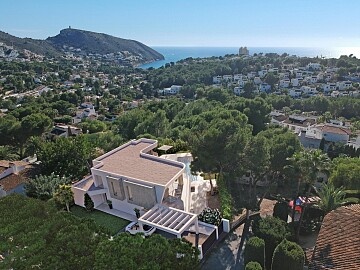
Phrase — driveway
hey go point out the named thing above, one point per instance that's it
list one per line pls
(226, 254)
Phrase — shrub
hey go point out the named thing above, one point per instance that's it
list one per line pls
(288, 256)
(255, 251)
(211, 216)
(273, 230)
(88, 202)
(225, 198)
(281, 211)
(253, 266)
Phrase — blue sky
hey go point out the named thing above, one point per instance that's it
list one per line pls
(261, 23)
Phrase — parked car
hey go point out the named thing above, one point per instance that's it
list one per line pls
(134, 228)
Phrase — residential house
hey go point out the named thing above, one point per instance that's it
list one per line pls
(338, 242)
(295, 82)
(309, 90)
(62, 130)
(237, 77)
(87, 104)
(14, 175)
(133, 176)
(238, 90)
(298, 73)
(284, 83)
(264, 87)
(312, 79)
(217, 79)
(257, 80)
(313, 66)
(227, 78)
(295, 92)
(297, 123)
(87, 113)
(312, 136)
(173, 90)
(244, 80)
(262, 73)
(328, 87)
(251, 74)
(344, 85)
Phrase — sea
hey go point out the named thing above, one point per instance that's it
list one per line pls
(174, 54)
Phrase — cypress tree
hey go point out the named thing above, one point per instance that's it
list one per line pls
(88, 202)
(255, 251)
(281, 211)
(288, 256)
(253, 266)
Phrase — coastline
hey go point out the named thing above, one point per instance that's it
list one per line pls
(174, 54)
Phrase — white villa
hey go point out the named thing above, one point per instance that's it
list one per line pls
(133, 176)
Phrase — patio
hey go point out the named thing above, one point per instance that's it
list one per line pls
(105, 208)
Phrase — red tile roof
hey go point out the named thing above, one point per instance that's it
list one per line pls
(338, 243)
(335, 129)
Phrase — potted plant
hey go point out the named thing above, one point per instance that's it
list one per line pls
(109, 203)
(137, 212)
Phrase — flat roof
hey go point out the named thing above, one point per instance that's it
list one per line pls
(130, 160)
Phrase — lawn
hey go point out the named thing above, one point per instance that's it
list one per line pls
(112, 223)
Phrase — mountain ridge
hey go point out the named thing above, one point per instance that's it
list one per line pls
(84, 42)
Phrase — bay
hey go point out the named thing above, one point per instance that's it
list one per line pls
(174, 54)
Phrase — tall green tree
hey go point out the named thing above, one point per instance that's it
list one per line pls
(33, 234)
(308, 164)
(345, 173)
(43, 187)
(216, 142)
(64, 195)
(154, 252)
(68, 157)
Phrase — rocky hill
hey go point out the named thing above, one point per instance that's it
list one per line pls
(83, 42)
(41, 47)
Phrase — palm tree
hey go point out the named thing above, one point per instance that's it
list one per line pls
(8, 153)
(332, 198)
(64, 195)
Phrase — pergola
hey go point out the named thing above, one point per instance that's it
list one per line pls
(169, 219)
(165, 148)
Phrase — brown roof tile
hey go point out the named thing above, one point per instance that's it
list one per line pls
(335, 129)
(13, 180)
(338, 243)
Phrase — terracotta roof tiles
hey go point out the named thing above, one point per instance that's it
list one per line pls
(338, 243)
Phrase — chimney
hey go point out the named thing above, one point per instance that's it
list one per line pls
(14, 167)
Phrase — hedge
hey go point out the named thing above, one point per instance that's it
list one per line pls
(255, 251)
(226, 200)
(273, 230)
(288, 256)
(253, 266)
